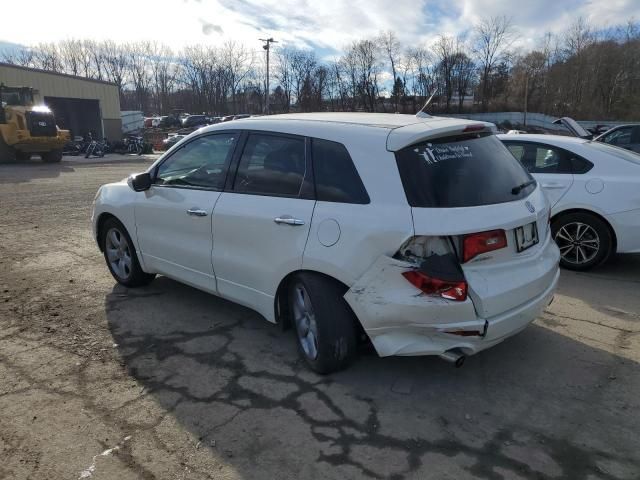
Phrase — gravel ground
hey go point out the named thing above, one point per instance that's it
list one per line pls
(166, 382)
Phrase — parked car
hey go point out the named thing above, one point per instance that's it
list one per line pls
(169, 121)
(624, 136)
(195, 121)
(594, 190)
(171, 140)
(425, 234)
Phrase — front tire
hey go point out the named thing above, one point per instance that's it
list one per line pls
(584, 240)
(7, 153)
(120, 255)
(54, 156)
(323, 322)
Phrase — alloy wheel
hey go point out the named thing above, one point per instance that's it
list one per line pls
(304, 318)
(578, 242)
(118, 253)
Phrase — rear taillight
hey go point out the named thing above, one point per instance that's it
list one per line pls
(434, 286)
(476, 243)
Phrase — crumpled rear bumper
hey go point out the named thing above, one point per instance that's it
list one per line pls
(399, 320)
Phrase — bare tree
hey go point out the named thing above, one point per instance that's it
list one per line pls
(493, 37)
(391, 47)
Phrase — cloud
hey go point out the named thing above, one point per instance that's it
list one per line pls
(209, 28)
(325, 25)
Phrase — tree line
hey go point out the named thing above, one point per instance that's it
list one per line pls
(582, 72)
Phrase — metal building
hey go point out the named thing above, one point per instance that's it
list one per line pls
(79, 104)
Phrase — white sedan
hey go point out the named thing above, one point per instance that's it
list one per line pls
(594, 189)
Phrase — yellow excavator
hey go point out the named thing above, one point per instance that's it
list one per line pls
(27, 129)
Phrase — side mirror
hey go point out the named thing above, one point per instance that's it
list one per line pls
(140, 182)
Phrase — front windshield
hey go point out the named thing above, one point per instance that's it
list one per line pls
(16, 97)
(619, 152)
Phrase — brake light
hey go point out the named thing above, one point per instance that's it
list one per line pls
(437, 287)
(474, 128)
(476, 243)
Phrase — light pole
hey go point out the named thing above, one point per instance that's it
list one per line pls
(266, 46)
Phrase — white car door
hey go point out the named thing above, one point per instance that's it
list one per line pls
(173, 217)
(550, 166)
(261, 224)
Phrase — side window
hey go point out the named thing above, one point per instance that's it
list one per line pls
(580, 165)
(202, 162)
(516, 150)
(540, 158)
(271, 165)
(335, 174)
(621, 136)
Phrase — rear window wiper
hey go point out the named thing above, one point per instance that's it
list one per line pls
(522, 186)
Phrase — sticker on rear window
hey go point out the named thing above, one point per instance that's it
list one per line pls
(440, 153)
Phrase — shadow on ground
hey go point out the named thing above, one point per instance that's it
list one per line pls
(25, 171)
(540, 405)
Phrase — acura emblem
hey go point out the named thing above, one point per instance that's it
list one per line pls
(530, 207)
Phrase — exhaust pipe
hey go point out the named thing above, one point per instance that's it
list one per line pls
(454, 356)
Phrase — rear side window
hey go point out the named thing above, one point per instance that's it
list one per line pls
(461, 171)
(336, 177)
(271, 165)
(580, 165)
(540, 158)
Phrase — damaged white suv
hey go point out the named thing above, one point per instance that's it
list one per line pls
(422, 233)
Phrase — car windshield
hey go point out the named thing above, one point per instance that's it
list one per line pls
(462, 171)
(619, 152)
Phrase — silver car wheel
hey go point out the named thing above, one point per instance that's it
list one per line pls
(118, 253)
(578, 242)
(305, 321)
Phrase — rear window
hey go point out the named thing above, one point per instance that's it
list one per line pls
(461, 171)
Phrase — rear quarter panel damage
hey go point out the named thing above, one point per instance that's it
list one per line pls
(392, 311)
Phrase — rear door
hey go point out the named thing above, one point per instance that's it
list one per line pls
(550, 165)
(470, 184)
(261, 222)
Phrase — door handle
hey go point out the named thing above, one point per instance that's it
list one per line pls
(197, 212)
(553, 185)
(288, 220)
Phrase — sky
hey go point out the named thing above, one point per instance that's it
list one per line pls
(324, 25)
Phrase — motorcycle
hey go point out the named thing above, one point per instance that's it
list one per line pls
(95, 148)
(134, 144)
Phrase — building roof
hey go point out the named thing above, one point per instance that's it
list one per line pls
(49, 72)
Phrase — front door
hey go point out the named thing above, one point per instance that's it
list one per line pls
(261, 225)
(173, 218)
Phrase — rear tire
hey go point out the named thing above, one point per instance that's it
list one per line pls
(54, 156)
(323, 323)
(584, 240)
(120, 255)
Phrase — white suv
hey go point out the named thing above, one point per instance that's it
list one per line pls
(423, 233)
